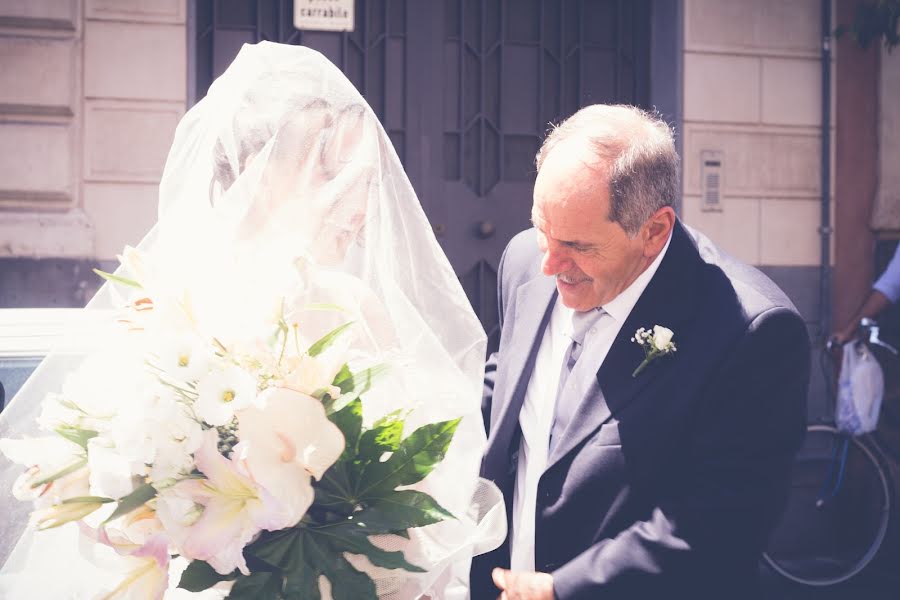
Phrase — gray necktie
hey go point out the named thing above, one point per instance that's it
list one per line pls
(567, 403)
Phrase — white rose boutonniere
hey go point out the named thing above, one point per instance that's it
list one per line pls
(655, 343)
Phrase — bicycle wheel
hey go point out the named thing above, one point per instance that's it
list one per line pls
(836, 518)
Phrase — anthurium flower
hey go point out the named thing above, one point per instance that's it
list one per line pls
(287, 439)
(235, 509)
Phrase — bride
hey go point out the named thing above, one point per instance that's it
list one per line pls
(281, 177)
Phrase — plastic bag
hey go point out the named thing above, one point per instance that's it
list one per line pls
(860, 390)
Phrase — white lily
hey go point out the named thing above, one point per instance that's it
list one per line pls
(110, 472)
(235, 509)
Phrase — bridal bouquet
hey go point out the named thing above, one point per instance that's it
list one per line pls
(231, 439)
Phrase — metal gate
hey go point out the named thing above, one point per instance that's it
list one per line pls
(465, 90)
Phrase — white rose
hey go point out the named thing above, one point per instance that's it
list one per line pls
(662, 337)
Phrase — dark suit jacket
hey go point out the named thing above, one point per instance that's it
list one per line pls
(667, 484)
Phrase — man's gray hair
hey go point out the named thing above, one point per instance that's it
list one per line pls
(634, 150)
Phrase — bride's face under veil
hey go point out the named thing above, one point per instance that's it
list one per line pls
(284, 163)
(315, 172)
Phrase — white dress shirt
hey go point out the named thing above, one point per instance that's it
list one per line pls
(536, 416)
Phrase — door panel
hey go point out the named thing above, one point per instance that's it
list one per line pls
(465, 90)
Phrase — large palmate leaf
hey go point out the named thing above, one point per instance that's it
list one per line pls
(302, 554)
(199, 576)
(356, 498)
(413, 460)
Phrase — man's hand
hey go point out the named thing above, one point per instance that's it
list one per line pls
(523, 585)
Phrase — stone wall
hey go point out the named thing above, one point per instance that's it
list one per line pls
(90, 94)
(752, 92)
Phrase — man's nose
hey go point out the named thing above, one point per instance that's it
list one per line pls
(554, 262)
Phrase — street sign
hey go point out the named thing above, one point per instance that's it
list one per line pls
(324, 15)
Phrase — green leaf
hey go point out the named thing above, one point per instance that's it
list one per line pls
(349, 421)
(277, 549)
(360, 382)
(76, 435)
(416, 457)
(343, 375)
(302, 584)
(352, 539)
(200, 576)
(346, 582)
(140, 496)
(334, 491)
(257, 586)
(399, 510)
(118, 279)
(385, 436)
(328, 339)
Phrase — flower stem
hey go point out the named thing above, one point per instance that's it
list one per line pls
(650, 356)
(641, 366)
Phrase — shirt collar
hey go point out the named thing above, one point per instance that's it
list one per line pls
(620, 307)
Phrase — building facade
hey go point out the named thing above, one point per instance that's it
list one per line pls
(92, 91)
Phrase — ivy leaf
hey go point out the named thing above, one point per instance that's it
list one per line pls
(200, 576)
(257, 586)
(140, 496)
(416, 457)
(328, 339)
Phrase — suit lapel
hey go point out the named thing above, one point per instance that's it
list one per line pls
(534, 304)
(668, 300)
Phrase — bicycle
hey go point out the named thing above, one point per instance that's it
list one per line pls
(839, 505)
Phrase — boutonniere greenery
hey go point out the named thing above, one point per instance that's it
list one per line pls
(655, 343)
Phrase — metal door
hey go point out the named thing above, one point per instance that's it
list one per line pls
(465, 90)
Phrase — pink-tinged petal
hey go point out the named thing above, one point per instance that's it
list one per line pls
(148, 572)
(236, 508)
(220, 535)
(157, 548)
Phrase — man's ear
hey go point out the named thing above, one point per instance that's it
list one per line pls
(657, 229)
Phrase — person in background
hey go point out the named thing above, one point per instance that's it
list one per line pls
(885, 292)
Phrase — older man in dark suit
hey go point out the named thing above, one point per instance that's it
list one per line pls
(623, 482)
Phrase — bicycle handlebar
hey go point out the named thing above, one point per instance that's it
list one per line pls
(870, 333)
(870, 326)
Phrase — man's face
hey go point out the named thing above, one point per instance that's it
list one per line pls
(592, 258)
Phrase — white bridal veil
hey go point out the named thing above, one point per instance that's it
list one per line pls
(283, 166)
